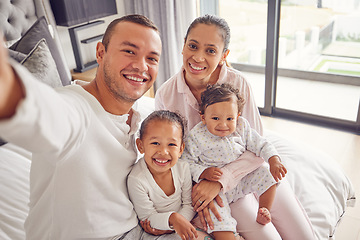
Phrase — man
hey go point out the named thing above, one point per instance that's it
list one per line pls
(82, 137)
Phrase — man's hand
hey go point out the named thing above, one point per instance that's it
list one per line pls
(11, 91)
(182, 226)
(211, 174)
(277, 169)
(147, 228)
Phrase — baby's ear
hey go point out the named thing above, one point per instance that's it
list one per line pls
(202, 117)
(140, 145)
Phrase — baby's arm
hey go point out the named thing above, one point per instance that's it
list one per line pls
(277, 169)
(211, 174)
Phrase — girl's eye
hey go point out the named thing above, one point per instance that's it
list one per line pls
(211, 51)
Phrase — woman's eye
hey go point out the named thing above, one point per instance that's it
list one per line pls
(212, 51)
(192, 46)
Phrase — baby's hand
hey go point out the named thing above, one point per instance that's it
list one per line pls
(211, 174)
(277, 169)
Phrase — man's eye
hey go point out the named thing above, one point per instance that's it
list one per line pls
(155, 60)
(128, 51)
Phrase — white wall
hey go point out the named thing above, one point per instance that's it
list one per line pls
(87, 50)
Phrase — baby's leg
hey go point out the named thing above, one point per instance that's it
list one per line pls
(265, 202)
(221, 235)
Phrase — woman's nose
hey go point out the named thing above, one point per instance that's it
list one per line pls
(198, 57)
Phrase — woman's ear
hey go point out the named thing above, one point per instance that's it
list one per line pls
(226, 53)
(140, 145)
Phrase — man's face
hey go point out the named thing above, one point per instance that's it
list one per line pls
(131, 62)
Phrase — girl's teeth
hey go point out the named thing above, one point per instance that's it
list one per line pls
(135, 78)
(161, 161)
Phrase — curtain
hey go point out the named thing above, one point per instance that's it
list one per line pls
(172, 17)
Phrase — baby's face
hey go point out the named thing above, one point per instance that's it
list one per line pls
(220, 118)
(162, 145)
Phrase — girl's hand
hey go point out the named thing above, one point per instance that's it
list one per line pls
(182, 226)
(277, 169)
(147, 228)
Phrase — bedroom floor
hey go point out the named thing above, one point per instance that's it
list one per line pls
(344, 146)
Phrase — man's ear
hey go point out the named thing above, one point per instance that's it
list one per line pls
(100, 51)
(140, 145)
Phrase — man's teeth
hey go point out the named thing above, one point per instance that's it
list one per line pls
(196, 68)
(135, 78)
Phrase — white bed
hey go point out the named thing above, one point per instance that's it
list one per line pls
(318, 182)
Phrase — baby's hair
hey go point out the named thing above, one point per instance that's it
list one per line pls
(164, 115)
(220, 93)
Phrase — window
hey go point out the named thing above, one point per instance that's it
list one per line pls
(302, 58)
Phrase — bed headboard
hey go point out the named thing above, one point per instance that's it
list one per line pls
(17, 17)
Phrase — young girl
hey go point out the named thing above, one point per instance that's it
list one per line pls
(219, 139)
(159, 185)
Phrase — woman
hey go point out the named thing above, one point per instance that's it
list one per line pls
(204, 62)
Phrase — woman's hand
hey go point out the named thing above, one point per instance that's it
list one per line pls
(277, 169)
(182, 226)
(203, 193)
(147, 228)
(205, 217)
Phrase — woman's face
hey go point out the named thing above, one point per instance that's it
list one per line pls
(202, 52)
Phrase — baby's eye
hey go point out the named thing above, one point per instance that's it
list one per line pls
(230, 119)
(172, 144)
(215, 118)
(155, 143)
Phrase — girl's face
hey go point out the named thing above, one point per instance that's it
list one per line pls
(162, 145)
(202, 52)
(220, 118)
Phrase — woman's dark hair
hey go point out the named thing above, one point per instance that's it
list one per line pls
(213, 20)
(134, 18)
(220, 93)
(164, 115)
